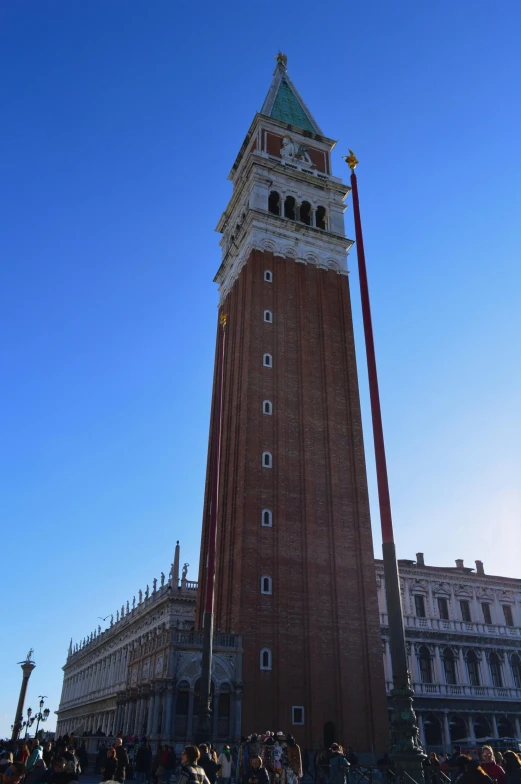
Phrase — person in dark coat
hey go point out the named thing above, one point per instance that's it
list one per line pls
(256, 773)
(512, 767)
(83, 758)
(123, 761)
(208, 764)
(109, 766)
(143, 763)
(62, 772)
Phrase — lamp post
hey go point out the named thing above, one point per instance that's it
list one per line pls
(41, 715)
(27, 667)
(26, 725)
(406, 747)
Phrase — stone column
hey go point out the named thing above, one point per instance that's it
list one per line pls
(463, 674)
(407, 603)
(155, 717)
(446, 732)
(190, 715)
(151, 710)
(485, 671)
(507, 672)
(494, 726)
(470, 729)
(517, 725)
(415, 670)
(238, 714)
(142, 711)
(166, 728)
(126, 715)
(215, 707)
(438, 666)
(116, 717)
(27, 668)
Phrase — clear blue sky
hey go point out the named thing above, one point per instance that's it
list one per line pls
(120, 122)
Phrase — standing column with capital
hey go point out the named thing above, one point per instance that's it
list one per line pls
(155, 717)
(166, 724)
(151, 710)
(494, 726)
(446, 731)
(27, 667)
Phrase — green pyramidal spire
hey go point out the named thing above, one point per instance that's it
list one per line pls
(284, 103)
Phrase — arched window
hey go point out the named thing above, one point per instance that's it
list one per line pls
(266, 584)
(267, 408)
(289, 207)
(267, 460)
(515, 664)
(267, 360)
(268, 277)
(449, 666)
(268, 316)
(274, 203)
(305, 213)
(473, 668)
(267, 518)
(495, 669)
(320, 218)
(425, 662)
(265, 659)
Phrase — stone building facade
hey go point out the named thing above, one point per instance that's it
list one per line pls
(463, 632)
(141, 675)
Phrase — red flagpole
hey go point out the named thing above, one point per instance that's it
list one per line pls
(406, 747)
(378, 432)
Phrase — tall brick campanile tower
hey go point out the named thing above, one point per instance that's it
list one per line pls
(294, 567)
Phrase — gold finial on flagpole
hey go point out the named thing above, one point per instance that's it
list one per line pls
(351, 160)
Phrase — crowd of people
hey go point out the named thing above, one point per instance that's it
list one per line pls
(479, 766)
(270, 758)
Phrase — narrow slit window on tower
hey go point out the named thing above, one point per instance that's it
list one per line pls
(267, 518)
(274, 203)
(289, 207)
(267, 360)
(267, 408)
(265, 659)
(268, 277)
(305, 213)
(267, 460)
(320, 218)
(297, 714)
(268, 316)
(266, 584)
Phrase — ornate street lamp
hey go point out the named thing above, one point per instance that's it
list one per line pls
(41, 715)
(26, 725)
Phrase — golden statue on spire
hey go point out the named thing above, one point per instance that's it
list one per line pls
(282, 59)
(351, 160)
